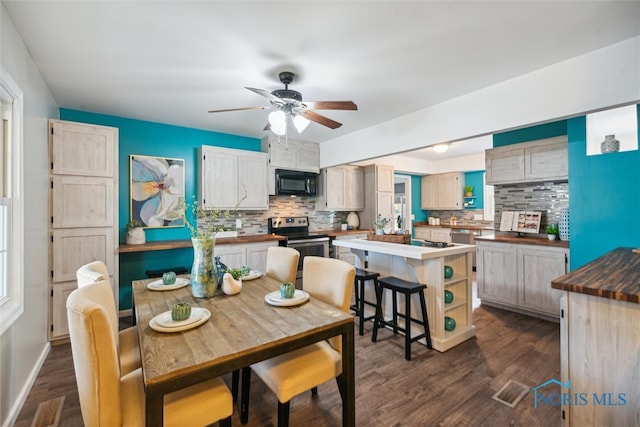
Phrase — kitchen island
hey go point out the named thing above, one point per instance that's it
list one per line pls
(600, 340)
(425, 265)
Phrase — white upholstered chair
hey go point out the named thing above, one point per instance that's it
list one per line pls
(329, 280)
(282, 263)
(109, 399)
(127, 339)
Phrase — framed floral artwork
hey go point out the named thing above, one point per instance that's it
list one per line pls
(156, 191)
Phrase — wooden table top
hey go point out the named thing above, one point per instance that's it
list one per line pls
(243, 329)
(615, 275)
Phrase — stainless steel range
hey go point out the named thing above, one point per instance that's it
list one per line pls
(296, 229)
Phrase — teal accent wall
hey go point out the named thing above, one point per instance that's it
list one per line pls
(160, 140)
(476, 179)
(604, 206)
(547, 130)
(416, 200)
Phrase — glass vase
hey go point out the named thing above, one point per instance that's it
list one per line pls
(204, 282)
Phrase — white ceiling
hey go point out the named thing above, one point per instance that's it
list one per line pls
(171, 61)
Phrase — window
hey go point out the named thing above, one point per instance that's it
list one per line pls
(11, 203)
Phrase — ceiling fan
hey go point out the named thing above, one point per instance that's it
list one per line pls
(288, 103)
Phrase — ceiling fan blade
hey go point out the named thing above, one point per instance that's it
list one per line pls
(238, 109)
(318, 118)
(267, 126)
(271, 97)
(331, 105)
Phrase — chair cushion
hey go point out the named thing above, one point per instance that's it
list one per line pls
(129, 350)
(286, 375)
(199, 405)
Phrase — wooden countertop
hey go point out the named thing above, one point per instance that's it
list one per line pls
(186, 243)
(455, 227)
(539, 241)
(615, 275)
(336, 233)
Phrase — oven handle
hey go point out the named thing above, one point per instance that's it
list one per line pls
(307, 242)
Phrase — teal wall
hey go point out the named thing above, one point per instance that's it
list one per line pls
(604, 206)
(416, 200)
(476, 179)
(161, 140)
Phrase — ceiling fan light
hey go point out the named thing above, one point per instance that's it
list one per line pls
(278, 122)
(440, 148)
(300, 123)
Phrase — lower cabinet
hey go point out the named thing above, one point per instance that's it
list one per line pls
(518, 277)
(435, 234)
(345, 254)
(253, 255)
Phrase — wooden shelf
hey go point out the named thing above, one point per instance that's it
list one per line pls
(186, 243)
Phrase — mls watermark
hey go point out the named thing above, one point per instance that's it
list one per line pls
(571, 397)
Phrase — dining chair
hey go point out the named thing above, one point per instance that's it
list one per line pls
(282, 263)
(109, 399)
(328, 280)
(126, 339)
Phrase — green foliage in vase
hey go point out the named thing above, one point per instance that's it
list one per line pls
(134, 223)
(211, 220)
(380, 222)
(552, 229)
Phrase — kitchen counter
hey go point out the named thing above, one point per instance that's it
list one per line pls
(456, 226)
(186, 243)
(403, 250)
(615, 275)
(538, 241)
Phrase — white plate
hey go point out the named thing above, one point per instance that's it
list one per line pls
(164, 323)
(157, 285)
(253, 274)
(274, 298)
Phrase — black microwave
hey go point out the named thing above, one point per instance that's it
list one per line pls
(295, 183)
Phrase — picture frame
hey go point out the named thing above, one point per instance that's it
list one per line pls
(156, 191)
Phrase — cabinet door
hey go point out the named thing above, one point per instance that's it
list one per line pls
(536, 269)
(74, 247)
(252, 177)
(80, 149)
(384, 177)
(450, 188)
(429, 192)
(546, 162)
(257, 255)
(58, 315)
(497, 273)
(307, 156)
(354, 189)
(441, 235)
(232, 256)
(219, 184)
(335, 179)
(504, 166)
(422, 233)
(385, 205)
(281, 155)
(82, 201)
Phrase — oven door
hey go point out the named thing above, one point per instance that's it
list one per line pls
(308, 247)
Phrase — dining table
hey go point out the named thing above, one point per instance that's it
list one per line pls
(243, 329)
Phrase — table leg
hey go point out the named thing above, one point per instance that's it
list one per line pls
(154, 408)
(349, 378)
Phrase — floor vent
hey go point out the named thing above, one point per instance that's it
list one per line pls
(511, 393)
(48, 413)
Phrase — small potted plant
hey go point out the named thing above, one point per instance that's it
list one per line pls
(379, 224)
(135, 233)
(468, 190)
(552, 231)
(344, 225)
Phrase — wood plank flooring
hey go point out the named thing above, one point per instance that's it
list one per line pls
(433, 389)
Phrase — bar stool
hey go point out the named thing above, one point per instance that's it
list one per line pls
(396, 285)
(361, 277)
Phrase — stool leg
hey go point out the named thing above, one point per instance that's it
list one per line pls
(378, 317)
(395, 312)
(360, 303)
(425, 319)
(407, 326)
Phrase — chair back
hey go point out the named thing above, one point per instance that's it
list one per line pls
(331, 281)
(94, 272)
(95, 355)
(282, 263)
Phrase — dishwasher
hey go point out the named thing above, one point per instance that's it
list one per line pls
(466, 237)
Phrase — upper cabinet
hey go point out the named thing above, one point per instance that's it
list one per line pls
(225, 175)
(533, 161)
(442, 191)
(378, 194)
(340, 188)
(290, 154)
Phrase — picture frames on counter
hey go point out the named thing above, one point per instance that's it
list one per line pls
(520, 221)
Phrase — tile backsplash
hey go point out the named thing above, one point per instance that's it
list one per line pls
(547, 197)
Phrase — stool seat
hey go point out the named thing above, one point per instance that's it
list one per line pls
(361, 277)
(395, 285)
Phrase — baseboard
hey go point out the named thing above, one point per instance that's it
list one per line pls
(125, 313)
(24, 393)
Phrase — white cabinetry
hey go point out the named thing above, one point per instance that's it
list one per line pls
(253, 255)
(291, 155)
(541, 160)
(378, 194)
(225, 175)
(442, 191)
(83, 206)
(435, 234)
(519, 276)
(341, 188)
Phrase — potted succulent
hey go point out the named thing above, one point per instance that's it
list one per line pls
(468, 190)
(135, 233)
(344, 225)
(552, 231)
